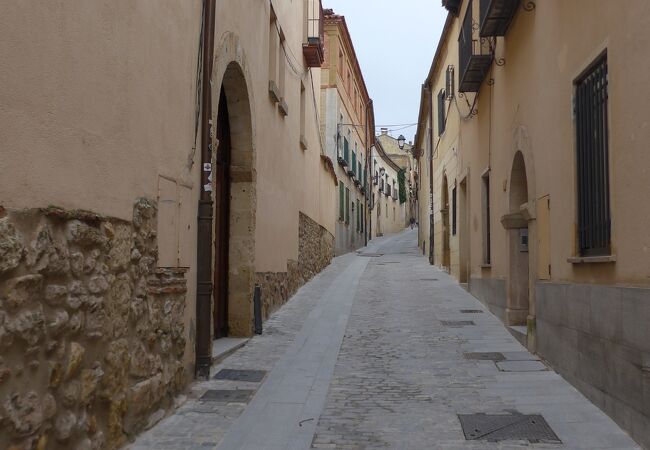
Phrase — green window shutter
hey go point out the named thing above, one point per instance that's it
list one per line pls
(341, 201)
(346, 150)
(359, 170)
(354, 162)
(347, 205)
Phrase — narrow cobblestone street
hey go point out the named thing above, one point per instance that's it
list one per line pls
(372, 353)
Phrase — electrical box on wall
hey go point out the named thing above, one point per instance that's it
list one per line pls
(523, 240)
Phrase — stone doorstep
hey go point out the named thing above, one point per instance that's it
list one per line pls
(224, 347)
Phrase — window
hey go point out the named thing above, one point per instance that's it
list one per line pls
(347, 205)
(346, 150)
(592, 148)
(359, 173)
(486, 217)
(453, 211)
(394, 216)
(353, 168)
(358, 217)
(303, 109)
(441, 112)
(341, 201)
(340, 62)
(273, 48)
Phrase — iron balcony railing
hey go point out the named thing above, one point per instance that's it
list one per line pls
(313, 49)
(496, 16)
(475, 55)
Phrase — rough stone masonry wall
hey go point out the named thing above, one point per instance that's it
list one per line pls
(91, 332)
(315, 252)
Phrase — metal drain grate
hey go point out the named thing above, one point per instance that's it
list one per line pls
(485, 356)
(471, 311)
(253, 376)
(238, 395)
(505, 427)
(428, 279)
(370, 255)
(457, 323)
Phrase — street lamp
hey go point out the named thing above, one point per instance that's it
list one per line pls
(400, 141)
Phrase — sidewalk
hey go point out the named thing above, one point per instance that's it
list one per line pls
(371, 354)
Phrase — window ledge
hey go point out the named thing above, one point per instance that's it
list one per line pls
(303, 142)
(592, 259)
(485, 266)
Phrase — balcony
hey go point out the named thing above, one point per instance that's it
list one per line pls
(475, 55)
(314, 49)
(496, 16)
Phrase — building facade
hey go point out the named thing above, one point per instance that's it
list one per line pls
(123, 124)
(533, 147)
(348, 127)
(389, 211)
(403, 157)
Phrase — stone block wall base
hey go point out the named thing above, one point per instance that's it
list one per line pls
(315, 252)
(516, 316)
(92, 334)
(598, 338)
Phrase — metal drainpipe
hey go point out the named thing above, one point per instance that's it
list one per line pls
(205, 214)
(431, 215)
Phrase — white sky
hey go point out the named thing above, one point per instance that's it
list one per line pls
(395, 42)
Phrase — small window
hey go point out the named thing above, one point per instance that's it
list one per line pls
(441, 112)
(486, 218)
(453, 211)
(592, 148)
(303, 111)
(341, 201)
(347, 205)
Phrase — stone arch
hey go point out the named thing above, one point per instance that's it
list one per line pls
(231, 78)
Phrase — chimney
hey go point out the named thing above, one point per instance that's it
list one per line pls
(384, 131)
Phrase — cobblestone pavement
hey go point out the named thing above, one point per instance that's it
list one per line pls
(399, 378)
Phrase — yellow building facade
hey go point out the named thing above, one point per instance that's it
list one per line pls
(347, 124)
(532, 154)
(159, 162)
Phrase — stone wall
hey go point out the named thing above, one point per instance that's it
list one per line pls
(91, 332)
(598, 338)
(315, 252)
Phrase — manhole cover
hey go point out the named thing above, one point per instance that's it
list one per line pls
(371, 255)
(238, 395)
(471, 311)
(253, 376)
(485, 356)
(457, 323)
(503, 427)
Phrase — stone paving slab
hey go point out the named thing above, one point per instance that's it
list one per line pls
(383, 373)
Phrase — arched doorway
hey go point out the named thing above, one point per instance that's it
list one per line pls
(222, 220)
(446, 235)
(234, 230)
(517, 229)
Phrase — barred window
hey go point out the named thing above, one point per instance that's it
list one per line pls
(592, 160)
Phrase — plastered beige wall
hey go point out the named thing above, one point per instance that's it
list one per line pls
(287, 177)
(529, 109)
(97, 110)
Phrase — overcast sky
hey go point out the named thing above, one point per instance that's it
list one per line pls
(395, 43)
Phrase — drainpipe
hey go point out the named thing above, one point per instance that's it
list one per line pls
(431, 227)
(204, 286)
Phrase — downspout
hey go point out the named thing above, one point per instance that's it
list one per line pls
(431, 215)
(370, 135)
(204, 286)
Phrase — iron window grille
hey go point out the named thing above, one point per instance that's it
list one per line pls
(592, 152)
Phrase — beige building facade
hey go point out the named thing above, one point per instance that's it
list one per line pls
(535, 145)
(111, 289)
(348, 127)
(388, 213)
